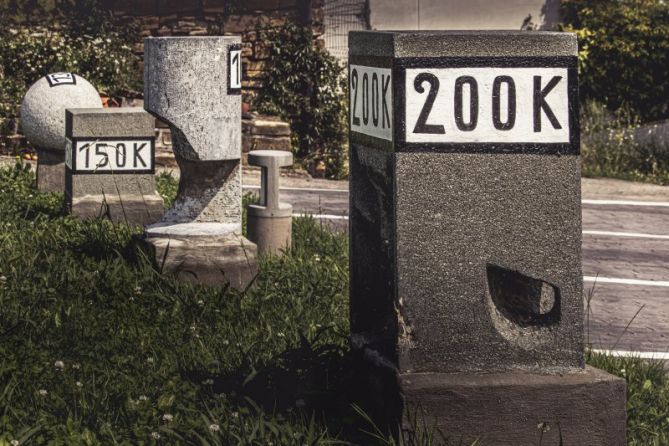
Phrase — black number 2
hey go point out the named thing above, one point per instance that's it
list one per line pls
(421, 125)
(354, 86)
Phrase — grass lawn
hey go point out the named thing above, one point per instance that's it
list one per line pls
(98, 347)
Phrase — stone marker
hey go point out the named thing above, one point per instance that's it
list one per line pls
(110, 165)
(43, 122)
(465, 238)
(270, 223)
(194, 85)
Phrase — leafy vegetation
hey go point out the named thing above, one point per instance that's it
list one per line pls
(624, 53)
(308, 89)
(609, 148)
(647, 397)
(37, 38)
(99, 347)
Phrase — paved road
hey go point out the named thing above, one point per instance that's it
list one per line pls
(625, 255)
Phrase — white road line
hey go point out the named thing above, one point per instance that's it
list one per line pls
(634, 354)
(602, 202)
(323, 216)
(587, 232)
(638, 282)
(626, 234)
(627, 203)
(299, 189)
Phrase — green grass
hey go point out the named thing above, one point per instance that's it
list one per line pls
(97, 347)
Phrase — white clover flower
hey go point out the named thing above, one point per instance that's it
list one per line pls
(143, 398)
(14, 442)
(214, 427)
(79, 384)
(3, 279)
(200, 302)
(235, 415)
(317, 257)
(43, 392)
(149, 360)
(138, 290)
(59, 365)
(168, 417)
(225, 342)
(76, 366)
(155, 435)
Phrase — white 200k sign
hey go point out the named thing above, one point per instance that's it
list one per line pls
(371, 106)
(489, 105)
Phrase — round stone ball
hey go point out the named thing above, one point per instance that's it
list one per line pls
(43, 107)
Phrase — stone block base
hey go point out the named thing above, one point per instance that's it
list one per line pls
(272, 234)
(51, 170)
(206, 259)
(518, 409)
(133, 210)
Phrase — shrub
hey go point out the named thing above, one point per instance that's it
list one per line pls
(609, 148)
(624, 53)
(308, 89)
(81, 38)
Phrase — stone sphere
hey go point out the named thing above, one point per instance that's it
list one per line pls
(43, 107)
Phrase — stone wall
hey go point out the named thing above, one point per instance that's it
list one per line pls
(219, 17)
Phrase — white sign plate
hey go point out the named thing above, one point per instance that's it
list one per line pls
(56, 79)
(371, 106)
(235, 70)
(487, 105)
(118, 155)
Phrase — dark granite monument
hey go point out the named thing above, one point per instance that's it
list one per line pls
(465, 238)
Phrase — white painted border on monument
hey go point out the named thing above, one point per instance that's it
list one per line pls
(485, 131)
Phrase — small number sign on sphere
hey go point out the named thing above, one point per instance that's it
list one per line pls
(43, 107)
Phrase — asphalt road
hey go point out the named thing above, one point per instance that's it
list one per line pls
(625, 256)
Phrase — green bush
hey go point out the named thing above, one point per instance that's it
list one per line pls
(609, 149)
(624, 53)
(307, 87)
(77, 37)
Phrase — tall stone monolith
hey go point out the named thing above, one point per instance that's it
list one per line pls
(194, 85)
(465, 238)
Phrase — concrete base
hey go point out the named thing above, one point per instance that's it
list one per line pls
(517, 409)
(50, 170)
(206, 259)
(273, 235)
(133, 210)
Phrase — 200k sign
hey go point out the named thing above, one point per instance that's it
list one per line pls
(487, 105)
(371, 105)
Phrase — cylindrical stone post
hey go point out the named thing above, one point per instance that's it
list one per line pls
(270, 222)
(194, 85)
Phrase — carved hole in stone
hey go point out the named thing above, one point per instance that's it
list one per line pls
(524, 300)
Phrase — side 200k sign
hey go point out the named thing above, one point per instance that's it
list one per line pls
(371, 105)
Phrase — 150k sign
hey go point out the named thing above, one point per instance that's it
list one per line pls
(106, 156)
(487, 105)
(371, 106)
